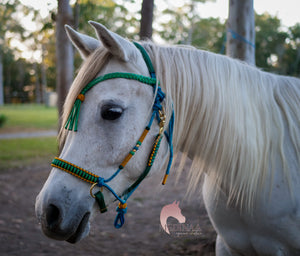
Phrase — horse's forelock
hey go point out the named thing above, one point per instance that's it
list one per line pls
(87, 72)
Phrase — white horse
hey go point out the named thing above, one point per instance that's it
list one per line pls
(239, 125)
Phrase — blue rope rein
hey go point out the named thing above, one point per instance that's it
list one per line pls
(102, 183)
(169, 136)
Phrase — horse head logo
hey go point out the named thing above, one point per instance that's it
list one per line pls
(170, 210)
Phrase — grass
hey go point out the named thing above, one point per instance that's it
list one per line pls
(28, 117)
(28, 151)
(24, 152)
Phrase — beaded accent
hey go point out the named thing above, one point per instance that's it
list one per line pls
(135, 148)
(75, 170)
(154, 150)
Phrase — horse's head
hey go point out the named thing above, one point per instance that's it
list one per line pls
(112, 116)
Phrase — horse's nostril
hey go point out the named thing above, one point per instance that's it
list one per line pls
(52, 216)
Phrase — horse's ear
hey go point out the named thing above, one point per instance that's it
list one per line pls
(84, 44)
(117, 45)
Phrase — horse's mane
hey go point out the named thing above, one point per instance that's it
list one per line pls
(229, 116)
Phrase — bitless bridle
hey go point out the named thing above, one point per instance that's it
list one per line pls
(158, 113)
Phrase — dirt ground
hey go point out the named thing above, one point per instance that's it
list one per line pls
(20, 233)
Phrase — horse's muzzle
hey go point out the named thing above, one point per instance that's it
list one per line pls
(56, 227)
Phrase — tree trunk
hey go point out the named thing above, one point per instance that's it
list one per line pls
(191, 29)
(146, 20)
(241, 31)
(1, 80)
(76, 15)
(64, 53)
(43, 75)
(37, 84)
(21, 82)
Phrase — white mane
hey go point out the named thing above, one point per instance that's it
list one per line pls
(230, 115)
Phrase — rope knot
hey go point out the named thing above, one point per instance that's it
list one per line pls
(120, 218)
(160, 96)
(100, 182)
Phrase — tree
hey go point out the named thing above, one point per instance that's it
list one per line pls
(293, 51)
(277, 50)
(241, 31)
(1, 80)
(182, 24)
(64, 53)
(270, 42)
(8, 23)
(146, 19)
(14, 71)
(207, 34)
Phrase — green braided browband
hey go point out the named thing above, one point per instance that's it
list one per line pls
(72, 120)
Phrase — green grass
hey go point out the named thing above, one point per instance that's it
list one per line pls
(25, 152)
(28, 117)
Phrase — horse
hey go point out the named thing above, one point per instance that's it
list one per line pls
(239, 125)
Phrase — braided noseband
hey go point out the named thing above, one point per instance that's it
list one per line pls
(157, 112)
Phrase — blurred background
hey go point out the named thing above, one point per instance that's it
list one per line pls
(38, 63)
(27, 36)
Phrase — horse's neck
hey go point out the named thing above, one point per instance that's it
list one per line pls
(229, 118)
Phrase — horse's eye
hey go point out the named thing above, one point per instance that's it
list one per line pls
(110, 112)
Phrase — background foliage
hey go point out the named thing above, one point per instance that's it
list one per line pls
(277, 48)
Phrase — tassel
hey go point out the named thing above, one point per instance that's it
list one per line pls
(100, 200)
(165, 179)
(74, 114)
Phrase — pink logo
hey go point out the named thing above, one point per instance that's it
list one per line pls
(170, 210)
